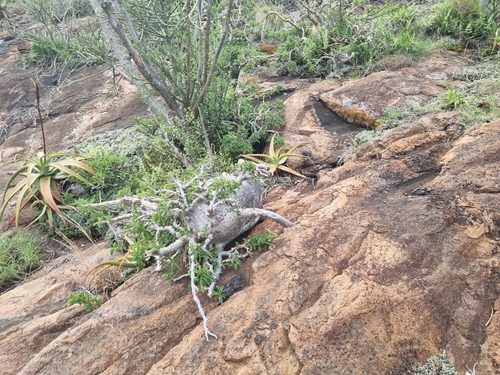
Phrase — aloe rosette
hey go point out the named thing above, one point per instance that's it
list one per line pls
(40, 176)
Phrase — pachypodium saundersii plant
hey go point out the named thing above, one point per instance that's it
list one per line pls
(191, 222)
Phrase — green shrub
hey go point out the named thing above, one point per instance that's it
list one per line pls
(347, 40)
(59, 41)
(117, 158)
(463, 20)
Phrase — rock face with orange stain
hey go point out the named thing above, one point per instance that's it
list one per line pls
(362, 102)
(393, 258)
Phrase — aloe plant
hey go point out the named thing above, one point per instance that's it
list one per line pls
(276, 159)
(39, 184)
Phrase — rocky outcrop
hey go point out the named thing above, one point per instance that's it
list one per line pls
(393, 258)
(362, 102)
(391, 261)
(96, 102)
(328, 114)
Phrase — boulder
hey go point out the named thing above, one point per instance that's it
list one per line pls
(309, 121)
(392, 263)
(362, 102)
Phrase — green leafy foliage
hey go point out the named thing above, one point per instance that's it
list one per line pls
(61, 40)
(463, 20)
(219, 294)
(119, 165)
(88, 301)
(19, 254)
(132, 261)
(257, 241)
(480, 102)
(453, 99)
(347, 38)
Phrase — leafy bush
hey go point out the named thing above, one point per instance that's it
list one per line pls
(61, 40)
(346, 39)
(117, 158)
(463, 20)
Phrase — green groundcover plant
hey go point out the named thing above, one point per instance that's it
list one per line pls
(19, 254)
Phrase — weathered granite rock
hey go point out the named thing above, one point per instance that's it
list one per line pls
(308, 121)
(36, 312)
(95, 103)
(363, 101)
(328, 114)
(391, 260)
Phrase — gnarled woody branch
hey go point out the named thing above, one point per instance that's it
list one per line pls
(143, 64)
(157, 107)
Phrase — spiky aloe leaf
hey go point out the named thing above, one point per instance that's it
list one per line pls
(292, 171)
(126, 261)
(40, 176)
(271, 146)
(278, 158)
(11, 179)
(69, 172)
(255, 159)
(21, 203)
(46, 192)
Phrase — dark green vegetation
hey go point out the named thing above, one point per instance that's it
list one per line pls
(88, 301)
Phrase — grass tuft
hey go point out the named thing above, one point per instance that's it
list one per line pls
(19, 254)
